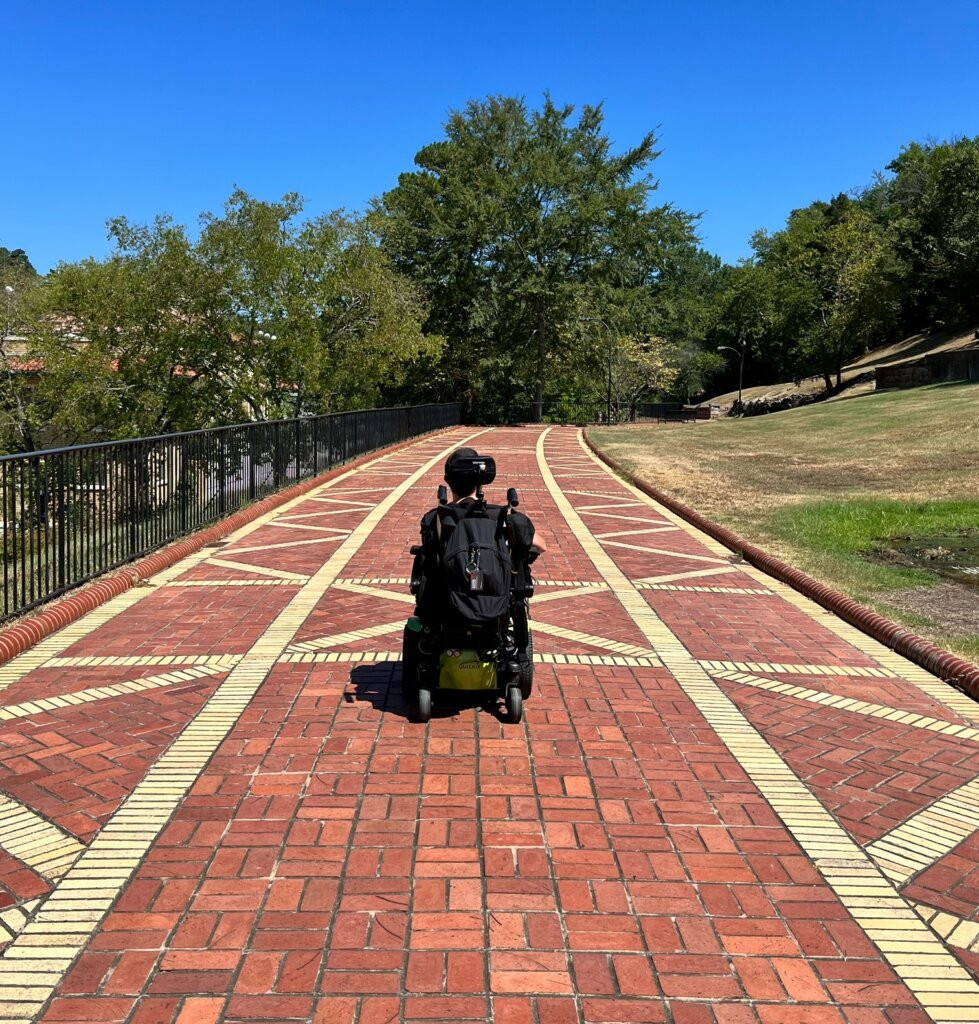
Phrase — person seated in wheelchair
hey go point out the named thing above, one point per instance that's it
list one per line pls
(471, 578)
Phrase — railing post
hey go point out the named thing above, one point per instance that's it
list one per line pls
(222, 482)
(62, 524)
(299, 446)
(184, 482)
(252, 460)
(133, 491)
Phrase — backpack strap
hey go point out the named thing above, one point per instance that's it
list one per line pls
(446, 519)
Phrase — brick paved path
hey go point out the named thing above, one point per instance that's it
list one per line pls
(723, 806)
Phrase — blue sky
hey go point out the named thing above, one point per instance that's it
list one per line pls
(142, 107)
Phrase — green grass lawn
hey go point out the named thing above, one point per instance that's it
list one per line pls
(829, 487)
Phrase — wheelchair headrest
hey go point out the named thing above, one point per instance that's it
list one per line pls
(465, 470)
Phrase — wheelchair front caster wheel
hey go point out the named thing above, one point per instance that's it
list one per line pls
(424, 710)
(514, 704)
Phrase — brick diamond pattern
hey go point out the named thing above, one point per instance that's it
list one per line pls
(655, 842)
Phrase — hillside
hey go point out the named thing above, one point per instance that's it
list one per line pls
(913, 347)
(872, 495)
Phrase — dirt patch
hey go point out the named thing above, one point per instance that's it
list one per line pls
(953, 608)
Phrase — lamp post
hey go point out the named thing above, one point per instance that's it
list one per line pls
(608, 389)
(740, 352)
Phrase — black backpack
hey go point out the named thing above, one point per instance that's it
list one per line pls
(476, 564)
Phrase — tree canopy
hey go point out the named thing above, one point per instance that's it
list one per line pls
(519, 224)
(263, 315)
(525, 258)
(898, 257)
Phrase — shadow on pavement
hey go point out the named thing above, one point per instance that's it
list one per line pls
(379, 684)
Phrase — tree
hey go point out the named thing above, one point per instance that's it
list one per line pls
(694, 367)
(24, 411)
(519, 223)
(930, 208)
(644, 367)
(263, 316)
(14, 262)
(828, 281)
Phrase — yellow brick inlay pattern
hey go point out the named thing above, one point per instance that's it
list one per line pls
(942, 986)
(136, 660)
(928, 835)
(661, 551)
(237, 583)
(604, 643)
(702, 590)
(260, 570)
(795, 668)
(120, 689)
(13, 919)
(571, 592)
(369, 581)
(540, 658)
(394, 581)
(953, 929)
(34, 962)
(672, 577)
(288, 544)
(859, 707)
(339, 639)
(402, 597)
(633, 532)
(34, 840)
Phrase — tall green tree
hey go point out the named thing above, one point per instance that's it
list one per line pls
(828, 282)
(929, 206)
(263, 315)
(519, 223)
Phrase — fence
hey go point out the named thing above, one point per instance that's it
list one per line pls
(69, 514)
(597, 411)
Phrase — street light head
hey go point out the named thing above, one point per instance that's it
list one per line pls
(9, 289)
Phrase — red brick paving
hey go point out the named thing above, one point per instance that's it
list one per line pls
(870, 773)
(76, 765)
(606, 861)
(952, 883)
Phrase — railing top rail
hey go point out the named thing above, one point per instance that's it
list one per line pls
(178, 435)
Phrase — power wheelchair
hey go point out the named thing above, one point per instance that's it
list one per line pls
(442, 651)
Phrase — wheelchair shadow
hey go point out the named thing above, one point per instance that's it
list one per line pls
(378, 683)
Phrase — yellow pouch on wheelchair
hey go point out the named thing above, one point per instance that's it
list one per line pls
(465, 670)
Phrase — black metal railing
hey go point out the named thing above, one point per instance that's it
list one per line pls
(599, 411)
(70, 514)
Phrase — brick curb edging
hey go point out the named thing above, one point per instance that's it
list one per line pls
(941, 663)
(23, 634)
